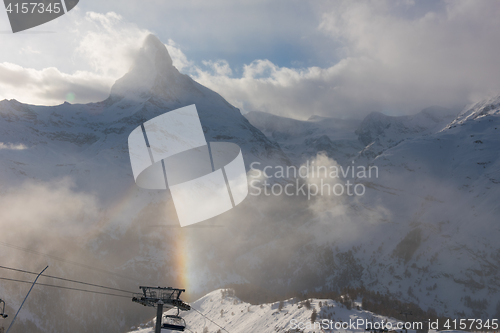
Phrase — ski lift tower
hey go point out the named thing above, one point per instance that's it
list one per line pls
(159, 297)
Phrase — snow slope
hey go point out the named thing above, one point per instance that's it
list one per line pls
(440, 242)
(346, 139)
(378, 132)
(426, 231)
(236, 316)
(302, 140)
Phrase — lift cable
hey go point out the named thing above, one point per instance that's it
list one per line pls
(67, 261)
(61, 287)
(213, 322)
(68, 280)
(88, 291)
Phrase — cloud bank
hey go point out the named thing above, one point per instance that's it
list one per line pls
(392, 62)
(100, 46)
(393, 57)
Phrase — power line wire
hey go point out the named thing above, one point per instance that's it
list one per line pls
(68, 280)
(67, 261)
(61, 287)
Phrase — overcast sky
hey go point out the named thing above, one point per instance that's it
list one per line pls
(287, 57)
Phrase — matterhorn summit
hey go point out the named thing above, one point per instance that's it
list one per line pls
(82, 140)
(152, 73)
(154, 86)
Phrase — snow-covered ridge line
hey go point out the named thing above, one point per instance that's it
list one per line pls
(288, 316)
(480, 109)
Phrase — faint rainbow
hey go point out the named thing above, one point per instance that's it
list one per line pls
(183, 261)
(181, 252)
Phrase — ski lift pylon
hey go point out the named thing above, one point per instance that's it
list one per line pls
(159, 297)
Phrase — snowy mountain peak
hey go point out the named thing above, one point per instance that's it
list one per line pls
(156, 51)
(151, 72)
(480, 109)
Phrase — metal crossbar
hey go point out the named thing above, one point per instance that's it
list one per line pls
(170, 297)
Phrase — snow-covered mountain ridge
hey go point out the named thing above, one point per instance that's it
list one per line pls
(425, 231)
(302, 140)
(379, 132)
(483, 108)
(57, 135)
(347, 139)
(289, 316)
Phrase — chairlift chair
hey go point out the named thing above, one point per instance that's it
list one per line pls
(174, 322)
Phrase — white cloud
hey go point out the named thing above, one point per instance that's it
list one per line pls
(106, 47)
(391, 62)
(179, 59)
(266, 87)
(12, 146)
(102, 48)
(397, 57)
(49, 86)
(34, 208)
(28, 49)
(219, 67)
(109, 44)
